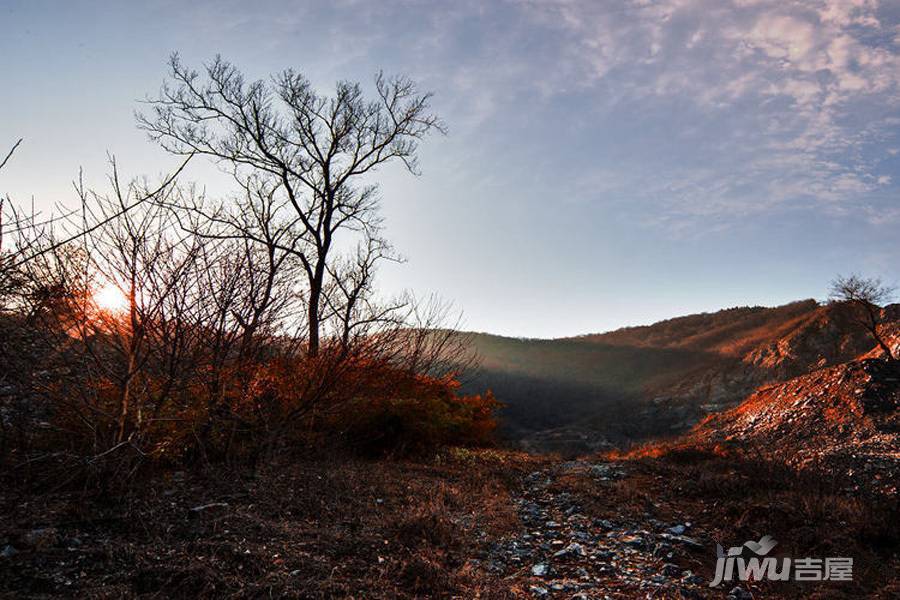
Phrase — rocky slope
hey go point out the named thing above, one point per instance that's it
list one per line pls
(843, 419)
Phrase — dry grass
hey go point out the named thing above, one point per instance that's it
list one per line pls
(310, 528)
(731, 500)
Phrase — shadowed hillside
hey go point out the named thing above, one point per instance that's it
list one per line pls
(661, 378)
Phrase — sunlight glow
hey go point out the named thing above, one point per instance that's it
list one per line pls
(111, 298)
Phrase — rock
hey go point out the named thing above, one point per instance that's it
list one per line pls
(582, 573)
(738, 593)
(692, 579)
(539, 591)
(606, 472)
(495, 566)
(677, 530)
(531, 511)
(671, 570)
(572, 550)
(8, 552)
(73, 542)
(683, 539)
(540, 570)
(557, 586)
(39, 539)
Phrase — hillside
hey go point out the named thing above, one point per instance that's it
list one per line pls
(844, 418)
(662, 378)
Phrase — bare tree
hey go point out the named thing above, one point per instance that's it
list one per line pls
(138, 251)
(319, 150)
(864, 297)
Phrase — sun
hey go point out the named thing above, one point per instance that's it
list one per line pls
(111, 298)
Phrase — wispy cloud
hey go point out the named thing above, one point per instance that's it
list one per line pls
(795, 99)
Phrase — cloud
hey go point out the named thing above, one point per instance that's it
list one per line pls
(689, 109)
(795, 94)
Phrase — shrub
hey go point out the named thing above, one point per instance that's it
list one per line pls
(414, 414)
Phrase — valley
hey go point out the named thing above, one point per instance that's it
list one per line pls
(640, 383)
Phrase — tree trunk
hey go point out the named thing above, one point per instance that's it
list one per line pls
(881, 344)
(315, 296)
(125, 399)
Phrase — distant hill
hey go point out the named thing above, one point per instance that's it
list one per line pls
(645, 381)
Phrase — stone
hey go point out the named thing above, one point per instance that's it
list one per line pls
(739, 593)
(677, 530)
(692, 579)
(607, 472)
(671, 570)
(8, 552)
(572, 550)
(540, 570)
(687, 541)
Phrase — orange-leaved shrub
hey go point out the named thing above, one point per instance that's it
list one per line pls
(370, 406)
(416, 413)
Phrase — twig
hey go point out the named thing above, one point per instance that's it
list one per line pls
(103, 222)
(9, 155)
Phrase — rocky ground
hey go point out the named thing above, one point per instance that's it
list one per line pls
(563, 552)
(647, 528)
(464, 524)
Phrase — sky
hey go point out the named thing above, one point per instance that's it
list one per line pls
(606, 163)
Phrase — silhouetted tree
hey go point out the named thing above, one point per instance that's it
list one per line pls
(863, 298)
(316, 152)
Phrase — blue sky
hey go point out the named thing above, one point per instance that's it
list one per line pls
(607, 163)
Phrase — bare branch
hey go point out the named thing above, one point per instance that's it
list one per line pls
(10, 153)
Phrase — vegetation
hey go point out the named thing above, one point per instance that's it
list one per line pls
(298, 434)
(863, 298)
(154, 325)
